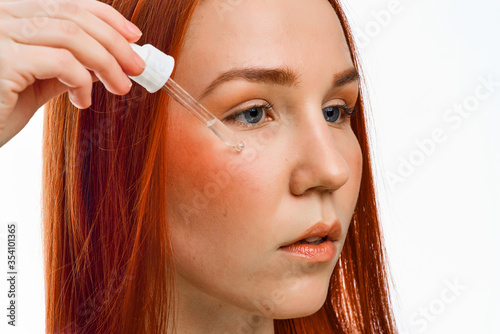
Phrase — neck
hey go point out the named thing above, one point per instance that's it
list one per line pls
(197, 312)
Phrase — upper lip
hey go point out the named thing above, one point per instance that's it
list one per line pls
(321, 229)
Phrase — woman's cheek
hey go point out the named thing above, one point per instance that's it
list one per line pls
(212, 180)
(217, 194)
(353, 156)
(216, 205)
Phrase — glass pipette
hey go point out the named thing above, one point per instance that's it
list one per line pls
(156, 76)
(205, 117)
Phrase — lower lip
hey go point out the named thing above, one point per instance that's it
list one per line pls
(323, 252)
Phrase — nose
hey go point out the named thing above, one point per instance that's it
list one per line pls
(318, 162)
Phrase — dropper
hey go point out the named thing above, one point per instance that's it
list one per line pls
(156, 76)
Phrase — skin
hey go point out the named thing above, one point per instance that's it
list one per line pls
(50, 47)
(230, 212)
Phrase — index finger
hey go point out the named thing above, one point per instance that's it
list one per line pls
(114, 18)
(100, 9)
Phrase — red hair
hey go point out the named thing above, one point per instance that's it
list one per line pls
(108, 263)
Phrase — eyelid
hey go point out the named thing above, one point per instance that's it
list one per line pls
(246, 105)
(334, 103)
(343, 103)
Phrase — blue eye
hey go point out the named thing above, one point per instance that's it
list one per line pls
(334, 113)
(251, 116)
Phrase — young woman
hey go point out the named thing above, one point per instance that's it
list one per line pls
(152, 224)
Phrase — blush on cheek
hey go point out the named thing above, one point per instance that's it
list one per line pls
(354, 159)
(211, 186)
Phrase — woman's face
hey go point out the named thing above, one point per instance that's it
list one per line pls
(229, 212)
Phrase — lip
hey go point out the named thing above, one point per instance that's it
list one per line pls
(320, 229)
(322, 252)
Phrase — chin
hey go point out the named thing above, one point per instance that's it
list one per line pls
(301, 299)
(299, 310)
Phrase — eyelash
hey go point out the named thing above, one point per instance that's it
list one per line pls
(346, 112)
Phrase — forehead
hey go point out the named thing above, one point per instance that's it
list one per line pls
(303, 35)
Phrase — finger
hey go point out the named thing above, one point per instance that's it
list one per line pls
(50, 88)
(68, 35)
(102, 27)
(7, 129)
(114, 18)
(59, 64)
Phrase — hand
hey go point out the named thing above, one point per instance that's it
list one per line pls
(48, 47)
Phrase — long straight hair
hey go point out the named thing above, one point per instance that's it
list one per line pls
(107, 255)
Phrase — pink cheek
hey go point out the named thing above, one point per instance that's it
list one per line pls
(355, 166)
(221, 190)
(205, 175)
(201, 161)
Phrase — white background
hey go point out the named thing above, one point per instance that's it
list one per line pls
(423, 59)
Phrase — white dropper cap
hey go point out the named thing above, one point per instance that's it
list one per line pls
(159, 67)
(156, 75)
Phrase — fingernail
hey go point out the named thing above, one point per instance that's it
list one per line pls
(139, 61)
(133, 29)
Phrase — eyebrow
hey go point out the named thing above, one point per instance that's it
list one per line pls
(275, 76)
